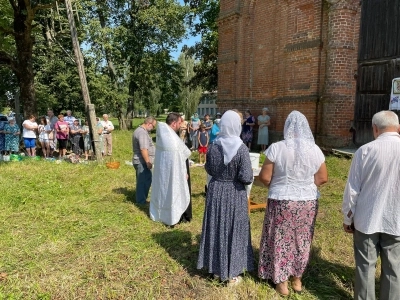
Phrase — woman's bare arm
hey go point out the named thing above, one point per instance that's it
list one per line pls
(266, 172)
(321, 176)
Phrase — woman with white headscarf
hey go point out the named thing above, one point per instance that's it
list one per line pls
(225, 248)
(293, 170)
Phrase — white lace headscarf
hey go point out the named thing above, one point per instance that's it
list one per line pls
(229, 135)
(298, 136)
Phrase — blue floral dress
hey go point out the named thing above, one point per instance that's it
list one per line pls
(11, 140)
(2, 138)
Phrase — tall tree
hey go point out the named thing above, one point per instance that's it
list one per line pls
(203, 21)
(19, 24)
(189, 96)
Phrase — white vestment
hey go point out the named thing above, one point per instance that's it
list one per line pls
(170, 191)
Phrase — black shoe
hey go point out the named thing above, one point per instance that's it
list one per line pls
(184, 220)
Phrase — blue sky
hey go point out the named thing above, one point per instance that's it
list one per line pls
(190, 41)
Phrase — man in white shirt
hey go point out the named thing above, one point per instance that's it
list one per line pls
(371, 209)
(108, 127)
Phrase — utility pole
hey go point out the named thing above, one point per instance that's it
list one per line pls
(90, 112)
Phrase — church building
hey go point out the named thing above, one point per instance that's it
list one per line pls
(291, 55)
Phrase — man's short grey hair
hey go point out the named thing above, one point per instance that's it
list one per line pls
(385, 119)
(149, 120)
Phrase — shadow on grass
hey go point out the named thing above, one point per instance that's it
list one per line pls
(130, 195)
(180, 246)
(328, 280)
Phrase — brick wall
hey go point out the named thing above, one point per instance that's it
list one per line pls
(291, 55)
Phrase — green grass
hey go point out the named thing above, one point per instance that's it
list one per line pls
(73, 232)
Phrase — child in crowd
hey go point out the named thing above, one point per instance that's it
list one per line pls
(86, 139)
(44, 130)
(203, 139)
(12, 133)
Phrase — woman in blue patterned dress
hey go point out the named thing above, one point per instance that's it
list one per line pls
(225, 248)
(2, 138)
(12, 135)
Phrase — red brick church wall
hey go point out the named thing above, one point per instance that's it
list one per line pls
(291, 55)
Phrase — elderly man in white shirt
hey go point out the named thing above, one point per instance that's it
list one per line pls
(371, 208)
(108, 127)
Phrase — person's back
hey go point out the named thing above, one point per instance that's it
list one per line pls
(291, 181)
(218, 170)
(380, 160)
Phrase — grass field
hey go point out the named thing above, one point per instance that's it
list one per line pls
(74, 232)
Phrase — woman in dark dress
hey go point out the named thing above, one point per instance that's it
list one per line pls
(225, 248)
(247, 129)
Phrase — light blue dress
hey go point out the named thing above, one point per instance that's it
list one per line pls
(263, 137)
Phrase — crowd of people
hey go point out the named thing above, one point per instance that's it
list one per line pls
(293, 170)
(55, 134)
(192, 133)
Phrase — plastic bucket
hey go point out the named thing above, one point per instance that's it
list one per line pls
(255, 160)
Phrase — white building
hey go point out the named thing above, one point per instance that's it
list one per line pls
(208, 105)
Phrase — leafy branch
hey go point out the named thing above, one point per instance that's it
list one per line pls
(6, 59)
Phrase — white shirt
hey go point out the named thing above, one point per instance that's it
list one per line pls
(29, 133)
(372, 191)
(300, 185)
(43, 131)
(107, 125)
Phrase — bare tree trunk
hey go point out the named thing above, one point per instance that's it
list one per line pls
(24, 43)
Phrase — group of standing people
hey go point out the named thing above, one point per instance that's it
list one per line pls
(293, 170)
(190, 132)
(55, 132)
(225, 248)
(171, 188)
(249, 121)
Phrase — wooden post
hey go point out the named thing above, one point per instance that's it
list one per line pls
(95, 136)
(90, 111)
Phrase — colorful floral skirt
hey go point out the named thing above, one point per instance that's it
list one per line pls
(288, 231)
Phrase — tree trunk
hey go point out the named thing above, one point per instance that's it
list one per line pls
(24, 43)
(121, 119)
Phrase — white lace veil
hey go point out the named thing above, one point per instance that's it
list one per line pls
(229, 135)
(298, 136)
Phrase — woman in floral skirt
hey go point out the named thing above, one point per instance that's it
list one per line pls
(293, 169)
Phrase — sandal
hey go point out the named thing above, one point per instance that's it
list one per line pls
(297, 285)
(282, 289)
(234, 281)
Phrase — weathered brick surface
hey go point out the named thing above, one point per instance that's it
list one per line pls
(291, 55)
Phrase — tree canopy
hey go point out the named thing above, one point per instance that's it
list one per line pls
(127, 55)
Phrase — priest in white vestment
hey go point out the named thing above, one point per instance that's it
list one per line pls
(170, 196)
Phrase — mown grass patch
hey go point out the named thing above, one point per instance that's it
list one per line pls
(74, 232)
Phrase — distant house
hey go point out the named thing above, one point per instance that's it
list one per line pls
(207, 104)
